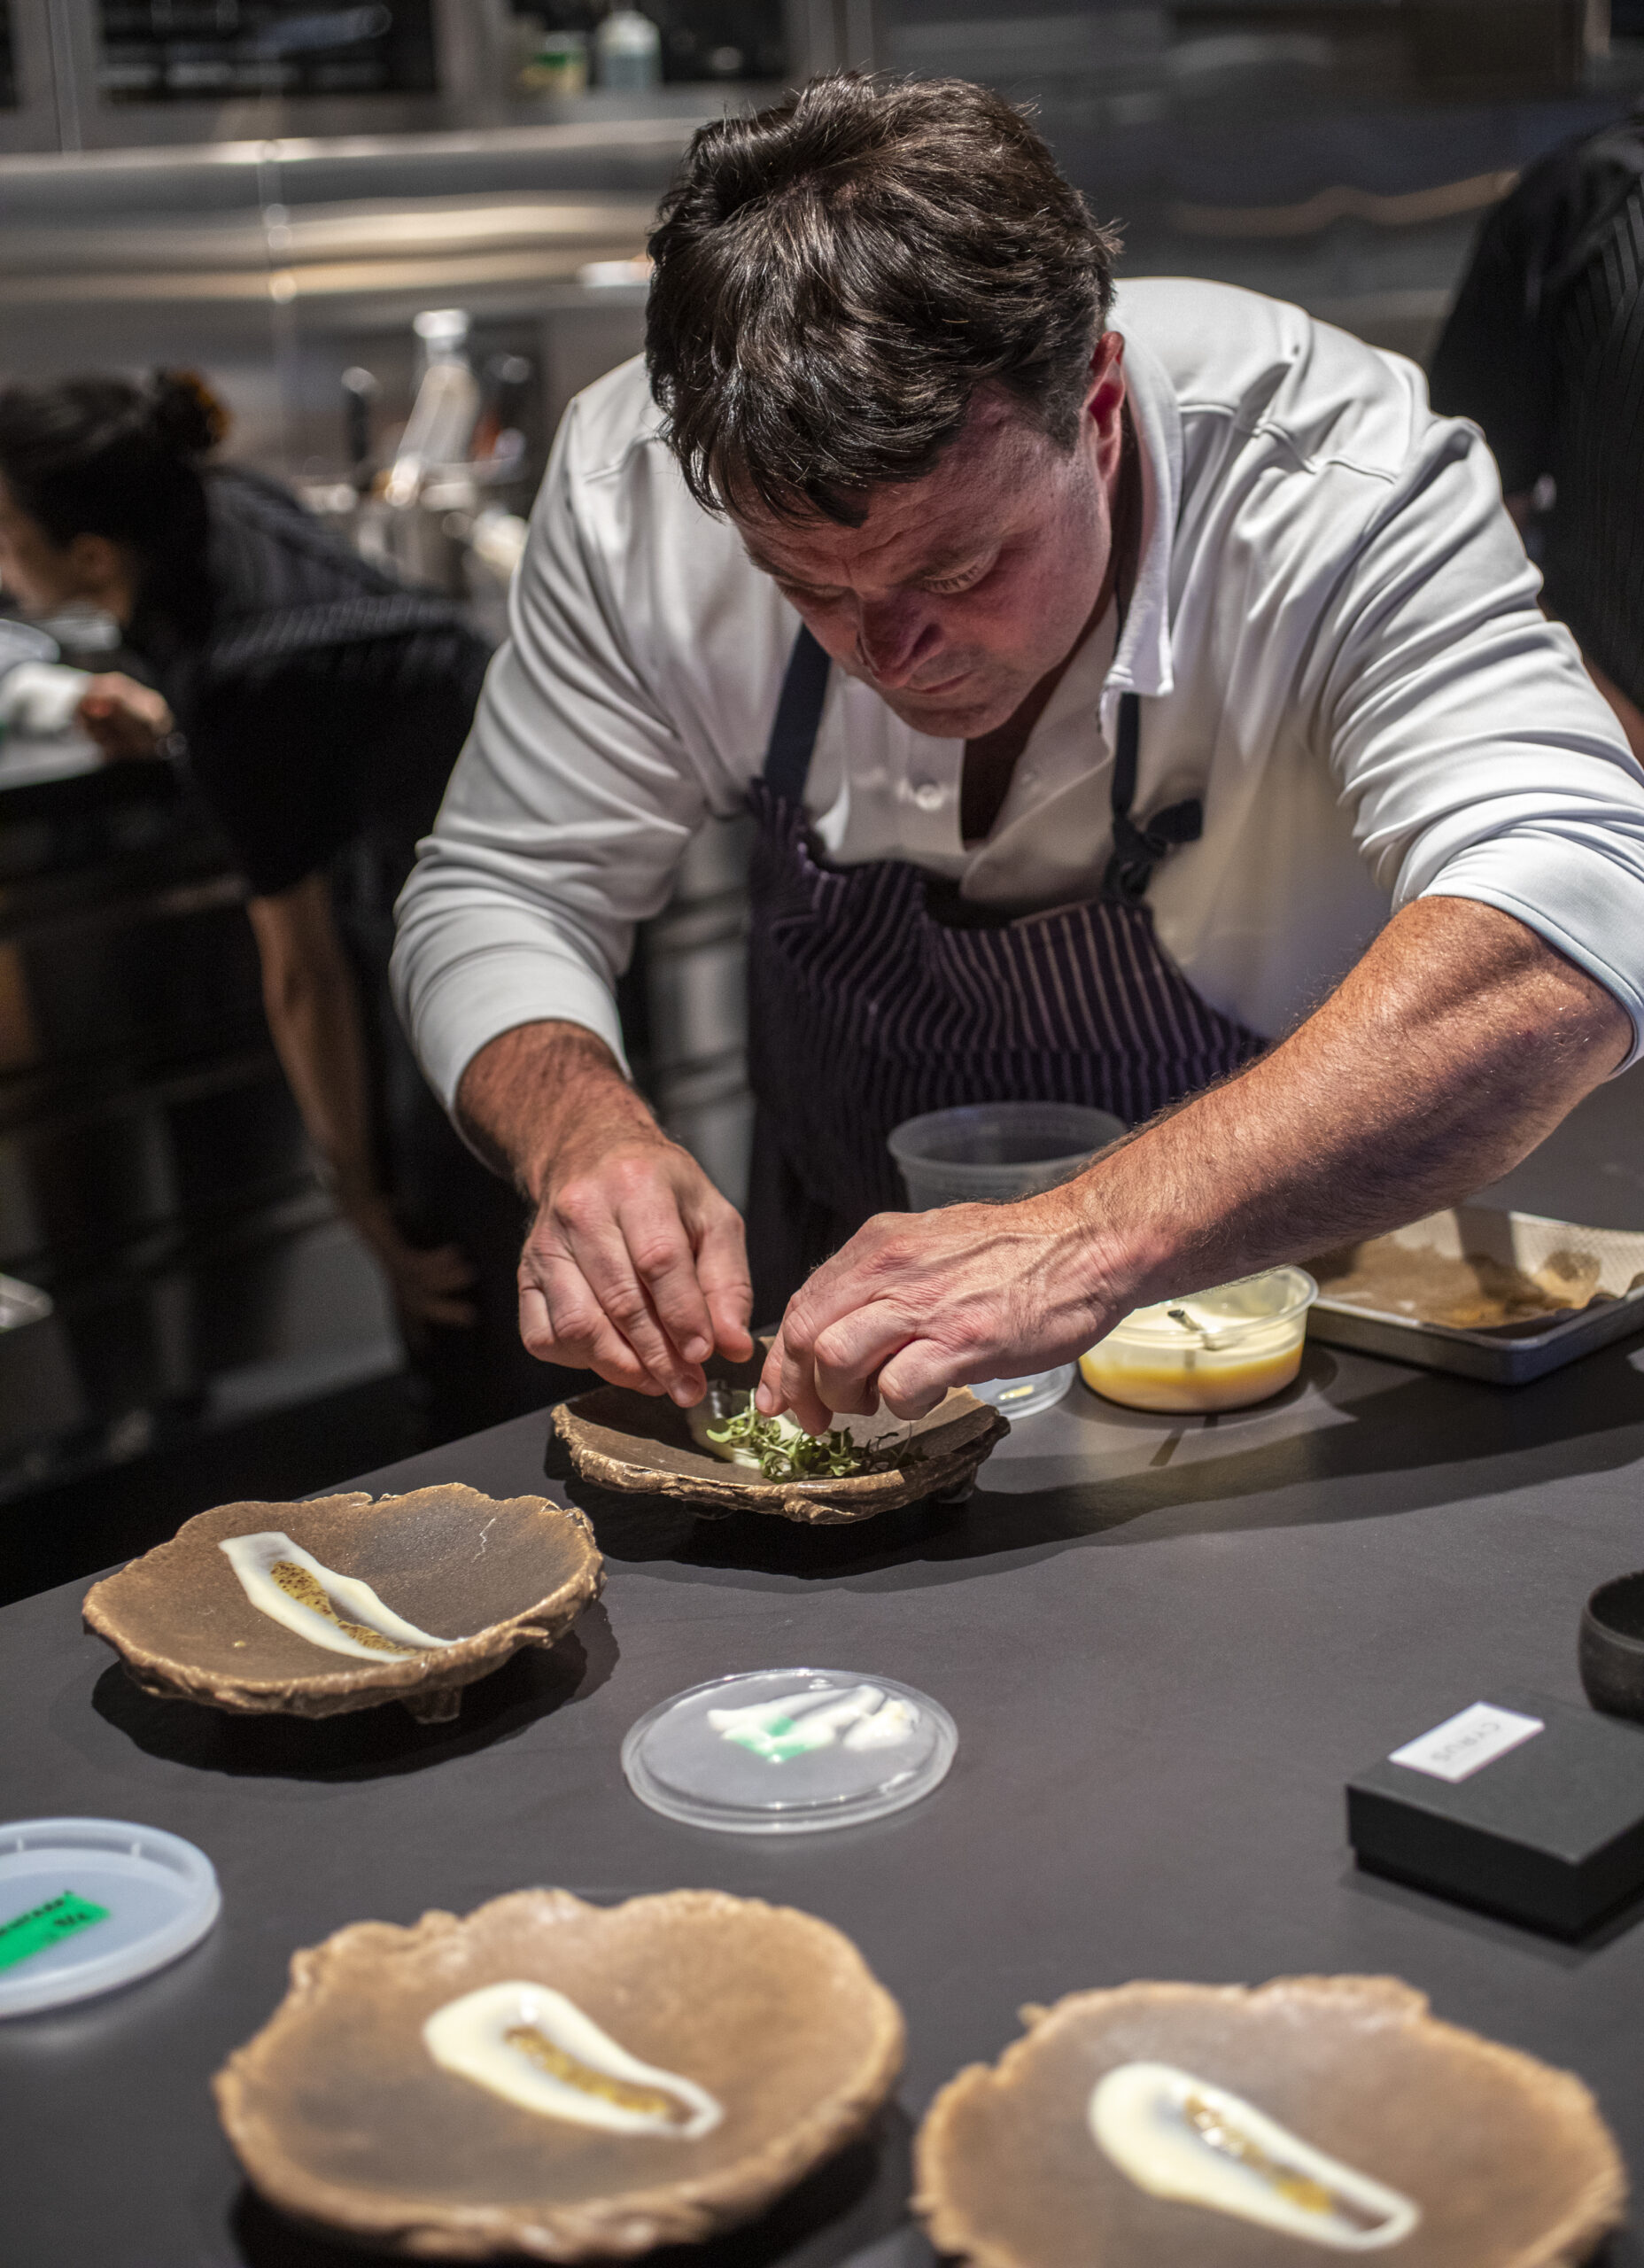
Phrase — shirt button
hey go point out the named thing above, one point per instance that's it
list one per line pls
(928, 796)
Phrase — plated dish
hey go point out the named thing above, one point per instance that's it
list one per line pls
(568, 2081)
(1213, 2126)
(345, 1602)
(719, 1460)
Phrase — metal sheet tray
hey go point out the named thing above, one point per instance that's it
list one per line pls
(1509, 1353)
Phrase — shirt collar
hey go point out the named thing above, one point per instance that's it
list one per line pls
(1142, 660)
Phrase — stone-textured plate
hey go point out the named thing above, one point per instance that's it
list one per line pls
(641, 1444)
(1509, 2162)
(499, 1575)
(340, 2115)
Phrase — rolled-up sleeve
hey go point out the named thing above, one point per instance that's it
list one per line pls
(566, 816)
(1471, 748)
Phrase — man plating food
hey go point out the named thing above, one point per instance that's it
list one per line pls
(1144, 703)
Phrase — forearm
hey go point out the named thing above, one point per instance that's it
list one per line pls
(634, 1264)
(315, 1021)
(1452, 1049)
(542, 1090)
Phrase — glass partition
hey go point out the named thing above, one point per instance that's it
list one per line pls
(215, 51)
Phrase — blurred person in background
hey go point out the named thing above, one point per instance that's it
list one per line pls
(322, 706)
(1545, 352)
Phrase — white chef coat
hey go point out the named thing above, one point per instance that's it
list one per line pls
(1334, 630)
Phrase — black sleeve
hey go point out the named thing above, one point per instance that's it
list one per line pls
(1495, 361)
(278, 764)
(300, 760)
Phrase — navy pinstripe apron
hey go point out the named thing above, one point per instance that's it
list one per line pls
(876, 992)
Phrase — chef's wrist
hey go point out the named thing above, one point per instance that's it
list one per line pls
(1123, 1257)
(531, 1092)
(602, 1117)
(589, 1108)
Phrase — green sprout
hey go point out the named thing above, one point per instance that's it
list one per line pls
(785, 1451)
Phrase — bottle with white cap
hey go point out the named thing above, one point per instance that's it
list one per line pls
(627, 49)
(443, 416)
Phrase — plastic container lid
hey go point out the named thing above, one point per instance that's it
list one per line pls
(788, 1751)
(88, 1904)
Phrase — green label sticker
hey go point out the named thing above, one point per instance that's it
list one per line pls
(29, 1933)
(776, 1740)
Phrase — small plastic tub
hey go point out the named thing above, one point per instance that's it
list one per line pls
(999, 1151)
(1221, 1349)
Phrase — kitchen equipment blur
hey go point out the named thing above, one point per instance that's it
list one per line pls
(1220, 1349)
(551, 61)
(998, 1151)
(443, 415)
(155, 1192)
(627, 50)
(360, 390)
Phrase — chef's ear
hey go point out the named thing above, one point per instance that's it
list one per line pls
(1105, 397)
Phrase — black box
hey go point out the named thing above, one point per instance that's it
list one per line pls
(1550, 1832)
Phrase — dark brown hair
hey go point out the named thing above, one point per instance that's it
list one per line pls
(102, 456)
(836, 277)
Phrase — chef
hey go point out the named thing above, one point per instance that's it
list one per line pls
(1144, 703)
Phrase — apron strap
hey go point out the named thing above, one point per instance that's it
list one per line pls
(798, 714)
(1138, 850)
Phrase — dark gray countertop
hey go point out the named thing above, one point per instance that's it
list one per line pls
(1167, 1646)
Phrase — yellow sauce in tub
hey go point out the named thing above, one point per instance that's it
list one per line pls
(1221, 1349)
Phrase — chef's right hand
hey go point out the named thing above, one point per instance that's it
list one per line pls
(635, 1266)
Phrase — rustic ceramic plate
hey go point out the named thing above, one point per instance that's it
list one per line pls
(1508, 2162)
(340, 2115)
(492, 1576)
(641, 1444)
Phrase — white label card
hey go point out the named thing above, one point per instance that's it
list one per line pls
(1465, 1744)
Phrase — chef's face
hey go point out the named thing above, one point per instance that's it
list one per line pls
(960, 591)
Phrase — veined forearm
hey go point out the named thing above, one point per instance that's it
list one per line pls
(1453, 1048)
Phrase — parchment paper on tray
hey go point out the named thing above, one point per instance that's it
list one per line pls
(1490, 1293)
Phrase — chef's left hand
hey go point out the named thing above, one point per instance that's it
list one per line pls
(918, 1302)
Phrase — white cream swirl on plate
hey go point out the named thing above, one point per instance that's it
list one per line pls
(1176, 2136)
(341, 1612)
(535, 2047)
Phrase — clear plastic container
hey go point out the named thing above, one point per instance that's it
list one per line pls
(998, 1151)
(788, 1751)
(1220, 1349)
(88, 1904)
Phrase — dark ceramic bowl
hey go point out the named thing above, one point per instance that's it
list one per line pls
(1612, 1646)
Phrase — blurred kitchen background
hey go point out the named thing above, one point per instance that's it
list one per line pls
(314, 205)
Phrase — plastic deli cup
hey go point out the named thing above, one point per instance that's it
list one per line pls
(1000, 1151)
(997, 1150)
(1220, 1349)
